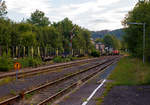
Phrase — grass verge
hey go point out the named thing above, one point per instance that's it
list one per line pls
(131, 71)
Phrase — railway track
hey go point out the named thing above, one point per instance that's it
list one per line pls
(51, 68)
(71, 81)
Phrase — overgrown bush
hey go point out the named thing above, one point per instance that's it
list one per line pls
(95, 53)
(30, 62)
(58, 59)
(67, 59)
(5, 63)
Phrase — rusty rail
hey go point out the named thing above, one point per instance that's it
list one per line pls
(17, 97)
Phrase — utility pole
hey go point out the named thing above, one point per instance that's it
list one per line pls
(143, 42)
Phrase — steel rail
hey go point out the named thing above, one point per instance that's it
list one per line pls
(17, 97)
(73, 86)
(43, 69)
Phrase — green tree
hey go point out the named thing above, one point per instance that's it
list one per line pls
(3, 8)
(111, 41)
(5, 38)
(38, 18)
(108, 41)
(134, 33)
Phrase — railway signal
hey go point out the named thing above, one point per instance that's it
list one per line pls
(17, 67)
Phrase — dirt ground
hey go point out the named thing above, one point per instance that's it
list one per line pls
(128, 95)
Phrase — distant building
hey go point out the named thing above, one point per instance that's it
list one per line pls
(100, 46)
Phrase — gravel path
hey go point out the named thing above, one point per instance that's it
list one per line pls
(128, 95)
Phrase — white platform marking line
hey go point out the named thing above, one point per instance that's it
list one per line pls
(93, 93)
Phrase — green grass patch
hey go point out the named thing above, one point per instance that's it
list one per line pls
(28, 96)
(131, 71)
(6, 80)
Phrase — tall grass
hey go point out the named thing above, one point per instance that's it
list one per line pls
(131, 71)
(6, 63)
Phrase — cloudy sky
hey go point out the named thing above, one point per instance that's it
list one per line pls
(91, 14)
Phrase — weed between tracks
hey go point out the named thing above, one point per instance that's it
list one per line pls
(28, 96)
(13, 92)
(129, 71)
(6, 80)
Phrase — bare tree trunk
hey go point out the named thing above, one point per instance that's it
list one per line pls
(32, 51)
(24, 51)
(0, 51)
(16, 51)
(56, 52)
(38, 51)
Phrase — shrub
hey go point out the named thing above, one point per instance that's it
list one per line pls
(30, 62)
(67, 59)
(95, 53)
(58, 59)
(5, 63)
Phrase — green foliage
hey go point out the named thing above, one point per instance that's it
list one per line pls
(111, 41)
(59, 59)
(5, 27)
(131, 71)
(134, 33)
(3, 8)
(5, 63)
(95, 53)
(30, 62)
(38, 18)
(35, 37)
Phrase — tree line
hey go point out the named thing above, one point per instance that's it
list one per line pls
(38, 36)
(110, 41)
(134, 33)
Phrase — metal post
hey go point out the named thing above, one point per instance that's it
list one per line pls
(143, 37)
(143, 43)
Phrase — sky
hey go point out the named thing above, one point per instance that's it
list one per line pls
(91, 14)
